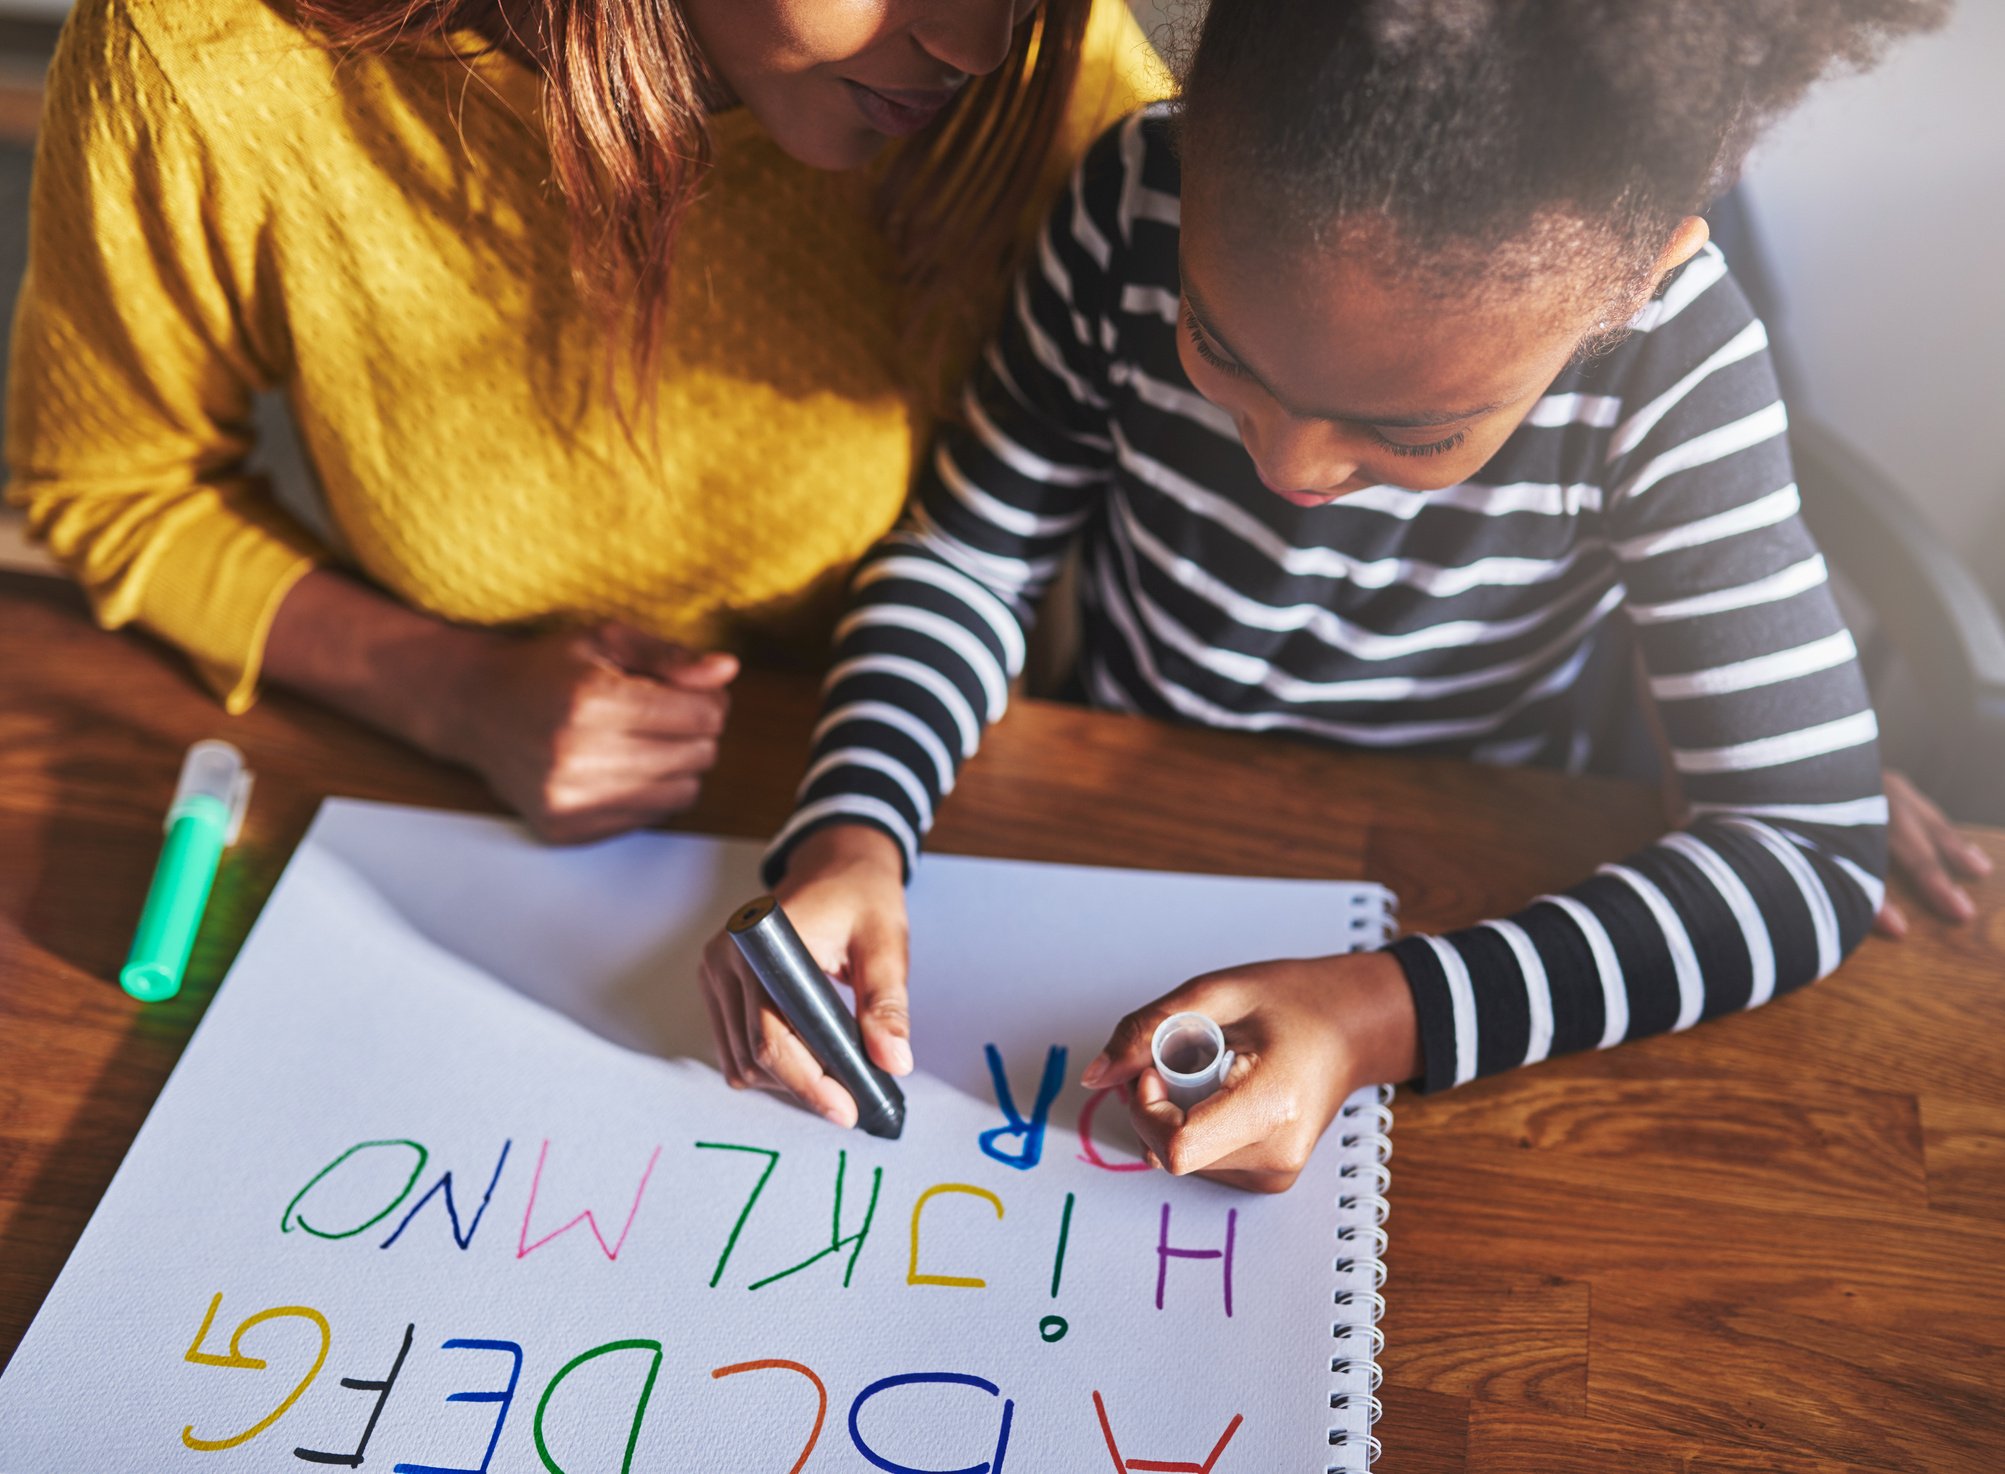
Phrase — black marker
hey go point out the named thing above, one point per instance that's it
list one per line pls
(801, 990)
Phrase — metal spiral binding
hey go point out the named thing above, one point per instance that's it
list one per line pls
(1366, 1127)
(1374, 915)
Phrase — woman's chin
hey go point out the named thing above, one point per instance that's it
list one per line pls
(821, 144)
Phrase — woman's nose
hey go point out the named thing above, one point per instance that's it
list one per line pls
(971, 36)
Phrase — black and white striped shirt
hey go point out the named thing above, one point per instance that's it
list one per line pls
(1650, 484)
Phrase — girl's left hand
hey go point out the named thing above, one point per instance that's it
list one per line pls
(1306, 1032)
(1930, 855)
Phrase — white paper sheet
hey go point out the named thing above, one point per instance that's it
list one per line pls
(433, 999)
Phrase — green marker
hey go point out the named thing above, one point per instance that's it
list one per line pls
(207, 814)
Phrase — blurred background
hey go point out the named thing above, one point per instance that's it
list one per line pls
(1872, 220)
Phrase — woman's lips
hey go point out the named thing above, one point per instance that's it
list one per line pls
(899, 113)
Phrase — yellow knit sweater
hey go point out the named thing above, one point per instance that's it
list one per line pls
(221, 206)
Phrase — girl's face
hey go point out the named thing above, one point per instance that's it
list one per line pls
(1340, 376)
(834, 80)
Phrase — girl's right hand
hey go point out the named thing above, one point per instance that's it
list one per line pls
(844, 891)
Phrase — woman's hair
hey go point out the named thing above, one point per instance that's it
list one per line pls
(1495, 138)
(624, 109)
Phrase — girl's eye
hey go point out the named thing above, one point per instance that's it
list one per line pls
(1209, 352)
(1439, 447)
(1205, 350)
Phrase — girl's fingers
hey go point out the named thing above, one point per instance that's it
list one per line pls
(1155, 1117)
(1251, 1180)
(720, 1039)
(1963, 856)
(1249, 1117)
(731, 1013)
(1926, 847)
(1950, 900)
(779, 1055)
(1127, 1053)
(1944, 896)
(877, 971)
(1220, 996)
(1892, 922)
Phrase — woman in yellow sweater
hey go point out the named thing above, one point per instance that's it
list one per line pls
(611, 329)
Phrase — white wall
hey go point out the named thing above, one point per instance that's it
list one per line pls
(1882, 204)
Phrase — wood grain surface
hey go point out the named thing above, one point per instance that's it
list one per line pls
(1774, 1243)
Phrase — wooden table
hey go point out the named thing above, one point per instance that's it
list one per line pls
(1776, 1242)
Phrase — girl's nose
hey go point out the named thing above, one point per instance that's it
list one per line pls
(971, 36)
(1292, 455)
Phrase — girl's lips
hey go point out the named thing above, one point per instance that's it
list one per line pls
(1322, 498)
(899, 114)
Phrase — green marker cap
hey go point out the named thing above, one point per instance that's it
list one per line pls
(206, 816)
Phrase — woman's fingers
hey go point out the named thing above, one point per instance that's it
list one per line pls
(642, 654)
(710, 672)
(649, 708)
(564, 820)
(1892, 922)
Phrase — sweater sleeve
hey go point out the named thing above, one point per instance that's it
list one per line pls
(136, 352)
(940, 608)
(1756, 680)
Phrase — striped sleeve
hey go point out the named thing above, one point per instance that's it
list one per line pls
(940, 608)
(1757, 684)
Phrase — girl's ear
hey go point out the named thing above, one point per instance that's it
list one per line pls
(1686, 242)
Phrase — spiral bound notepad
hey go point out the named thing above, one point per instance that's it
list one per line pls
(1363, 1130)
(453, 1098)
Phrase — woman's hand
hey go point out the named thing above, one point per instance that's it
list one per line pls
(1306, 1034)
(583, 734)
(844, 891)
(590, 733)
(1929, 855)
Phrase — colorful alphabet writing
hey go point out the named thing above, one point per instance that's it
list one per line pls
(443, 1185)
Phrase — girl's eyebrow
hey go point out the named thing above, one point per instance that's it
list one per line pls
(1194, 304)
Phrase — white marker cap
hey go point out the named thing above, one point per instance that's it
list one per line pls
(1191, 1057)
(213, 771)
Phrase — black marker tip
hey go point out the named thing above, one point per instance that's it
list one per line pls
(888, 1121)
